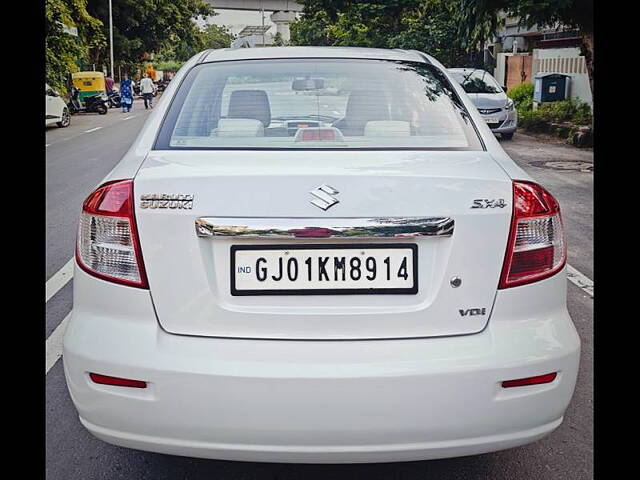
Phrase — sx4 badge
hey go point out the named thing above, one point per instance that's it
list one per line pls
(489, 203)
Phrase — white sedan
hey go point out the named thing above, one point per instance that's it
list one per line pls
(319, 255)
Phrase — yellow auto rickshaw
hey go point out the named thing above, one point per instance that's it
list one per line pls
(89, 83)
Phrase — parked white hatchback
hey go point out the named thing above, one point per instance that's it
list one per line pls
(497, 110)
(56, 110)
(319, 255)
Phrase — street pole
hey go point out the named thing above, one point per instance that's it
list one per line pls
(111, 36)
(262, 11)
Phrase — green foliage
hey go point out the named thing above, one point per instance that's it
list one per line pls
(533, 120)
(583, 114)
(142, 27)
(168, 65)
(175, 54)
(571, 111)
(63, 51)
(311, 29)
(431, 28)
(522, 96)
(278, 41)
(426, 25)
(215, 36)
(478, 21)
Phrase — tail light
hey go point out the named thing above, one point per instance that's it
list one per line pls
(536, 247)
(108, 246)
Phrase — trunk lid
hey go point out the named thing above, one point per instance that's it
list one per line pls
(189, 276)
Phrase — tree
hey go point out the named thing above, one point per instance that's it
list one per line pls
(177, 52)
(426, 25)
(145, 26)
(215, 36)
(278, 41)
(432, 28)
(63, 51)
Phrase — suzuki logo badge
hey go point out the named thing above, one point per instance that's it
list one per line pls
(324, 198)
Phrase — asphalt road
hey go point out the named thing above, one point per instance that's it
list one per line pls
(79, 157)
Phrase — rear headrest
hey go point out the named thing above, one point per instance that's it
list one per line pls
(239, 127)
(366, 105)
(250, 104)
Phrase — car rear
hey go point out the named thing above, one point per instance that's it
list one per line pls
(328, 266)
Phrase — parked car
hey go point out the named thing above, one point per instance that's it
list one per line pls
(366, 277)
(490, 99)
(56, 110)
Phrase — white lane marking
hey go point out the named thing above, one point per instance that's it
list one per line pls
(54, 343)
(581, 281)
(59, 279)
(88, 131)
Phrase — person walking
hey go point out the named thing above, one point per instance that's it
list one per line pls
(126, 93)
(147, 88)
(108, 81)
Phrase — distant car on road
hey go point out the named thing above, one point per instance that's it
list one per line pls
(56, 109)
(490, 99)
(272, 273)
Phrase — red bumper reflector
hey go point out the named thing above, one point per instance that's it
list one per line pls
(120, 382)
(521, 382)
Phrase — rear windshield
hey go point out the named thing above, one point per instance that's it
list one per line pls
(314, 104)
(477, 82)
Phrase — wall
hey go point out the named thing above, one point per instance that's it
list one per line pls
(567, 61)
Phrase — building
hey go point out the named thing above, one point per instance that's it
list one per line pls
(519, 54)
(253, 36)
(258, 20)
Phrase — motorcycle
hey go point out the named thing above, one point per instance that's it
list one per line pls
(162, 85)
(94, 103)
(114, 98)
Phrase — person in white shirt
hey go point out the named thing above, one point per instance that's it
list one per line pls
(147, 87)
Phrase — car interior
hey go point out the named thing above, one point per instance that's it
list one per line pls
(282, 107)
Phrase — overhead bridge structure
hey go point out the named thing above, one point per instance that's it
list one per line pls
(283, 11)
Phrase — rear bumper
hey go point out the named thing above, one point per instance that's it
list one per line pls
(322, 401)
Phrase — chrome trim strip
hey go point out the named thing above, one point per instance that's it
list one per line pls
(383, 227)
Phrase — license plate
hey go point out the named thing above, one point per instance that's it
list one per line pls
(494, 119)
(324, 270)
